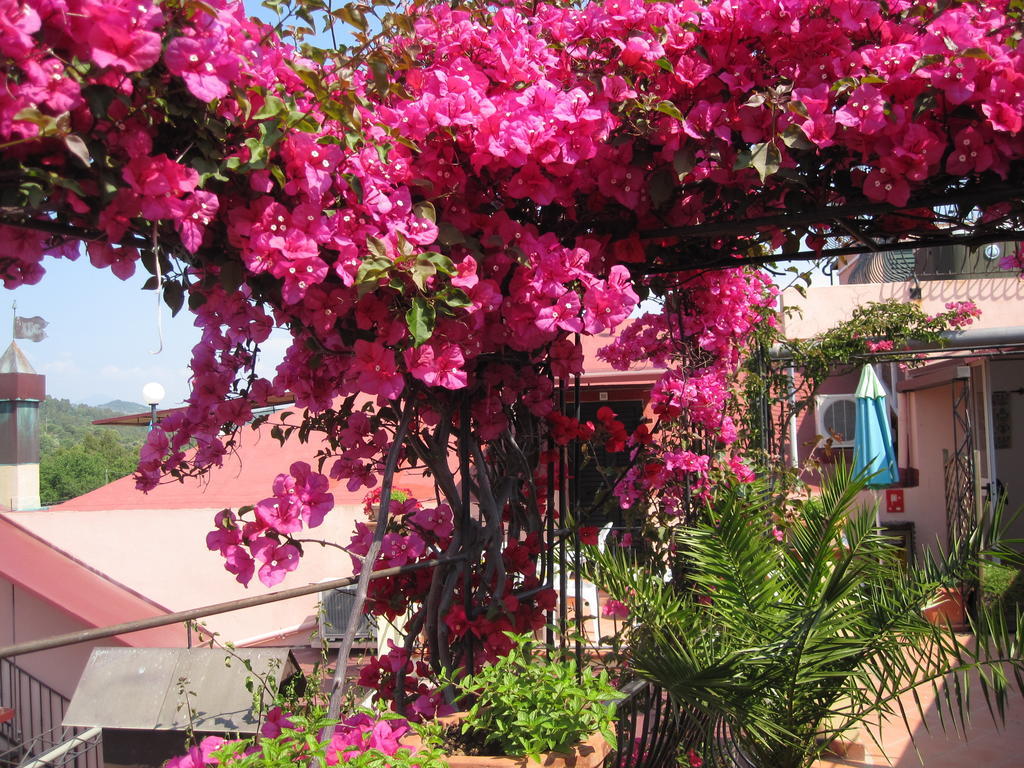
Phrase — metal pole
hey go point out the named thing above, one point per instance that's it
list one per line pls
(85, 635)
(59, 751)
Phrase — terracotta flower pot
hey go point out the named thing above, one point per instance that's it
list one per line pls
(947, 610)
(589, 753)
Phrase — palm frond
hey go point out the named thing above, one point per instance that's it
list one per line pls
(785, 646)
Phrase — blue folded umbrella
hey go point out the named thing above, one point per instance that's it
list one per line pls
(873, 453)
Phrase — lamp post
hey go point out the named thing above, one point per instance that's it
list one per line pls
(153, 393)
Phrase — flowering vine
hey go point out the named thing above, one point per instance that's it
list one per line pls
(438, 217)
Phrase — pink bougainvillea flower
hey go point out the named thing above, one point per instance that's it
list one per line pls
(207, 72)
(276, 721)
(375, 369)
(198, 756)
(437, 364)
(239, 562)
(196, 213)
(437, 521)
(400, 550)
(277, 560)
(120, 260)
(114, 45)
(615, 609)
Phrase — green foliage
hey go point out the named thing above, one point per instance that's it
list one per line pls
(1002, 587)
(528, 704)
(76, 456)
(99, 458)
(786, 645)
(845, 344)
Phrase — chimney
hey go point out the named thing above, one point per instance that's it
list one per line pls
(21, 392)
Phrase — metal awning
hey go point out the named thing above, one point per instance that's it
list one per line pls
(145, 688)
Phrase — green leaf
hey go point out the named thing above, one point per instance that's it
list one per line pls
(449, 234)
(765, 159)
(684, 162)
(425, 210)
(376, 247)
(454, 297)
(174, 296)
(272, 107)
(33, 115)
(795, 138)
(756, 99)
(420, 320)
(355, 183)
(670, 109)
(976, 53)
(665, 64)
(440, 261)
(421, 273)
(662, 187)
(77, 147)
(927, 61)
(923, 102)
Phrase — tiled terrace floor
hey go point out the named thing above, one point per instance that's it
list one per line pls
(985, 746)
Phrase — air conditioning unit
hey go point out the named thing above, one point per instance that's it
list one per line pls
(836, 419)
(336, 606)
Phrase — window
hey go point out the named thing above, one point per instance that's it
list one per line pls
(837, 419)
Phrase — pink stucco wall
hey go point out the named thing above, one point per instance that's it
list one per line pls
(23, 616)
(162, 555)
(925, 424)
(929, 431)
(999, 298)
(1008, 376)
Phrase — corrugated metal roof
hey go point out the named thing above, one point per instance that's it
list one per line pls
(145, 688)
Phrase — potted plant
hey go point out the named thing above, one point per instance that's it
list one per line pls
(529, 710)
(783, 640)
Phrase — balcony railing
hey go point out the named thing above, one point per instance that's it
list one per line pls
(34, 736)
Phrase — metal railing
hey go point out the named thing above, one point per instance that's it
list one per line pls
(35, 735)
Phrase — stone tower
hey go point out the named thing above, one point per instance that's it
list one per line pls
(21, 392)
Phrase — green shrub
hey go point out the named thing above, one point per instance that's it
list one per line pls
(527, 704)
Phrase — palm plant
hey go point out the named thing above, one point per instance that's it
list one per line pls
(780, 646)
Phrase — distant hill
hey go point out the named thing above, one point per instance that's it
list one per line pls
(63, 423)
(124, 406)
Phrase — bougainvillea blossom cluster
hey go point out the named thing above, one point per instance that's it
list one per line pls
(437, 232)
(345, 740)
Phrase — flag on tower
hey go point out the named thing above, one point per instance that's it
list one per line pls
(30, 328)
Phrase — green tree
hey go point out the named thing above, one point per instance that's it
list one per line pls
(98, 458)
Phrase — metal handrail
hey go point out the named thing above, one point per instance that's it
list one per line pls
(36, 729)
(85, 635)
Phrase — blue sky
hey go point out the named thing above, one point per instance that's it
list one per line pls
(102, 335)
(103, 339)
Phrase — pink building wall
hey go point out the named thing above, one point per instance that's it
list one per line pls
(23, 616)
(1001, 300)
(925, 422)
(927, 436)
